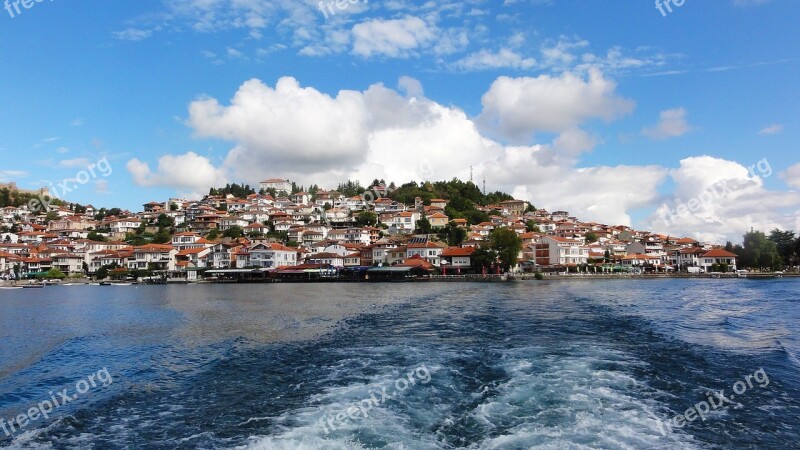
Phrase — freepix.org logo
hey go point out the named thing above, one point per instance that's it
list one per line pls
(15, 7)
(665, 6)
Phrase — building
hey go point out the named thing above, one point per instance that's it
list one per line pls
(153, 257)
(270, 256)
(279, 185)
(558, 251)
(723, 260)
(514, 207)
(428, 251)
(458, 258)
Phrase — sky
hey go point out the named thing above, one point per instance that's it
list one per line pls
(678, 119)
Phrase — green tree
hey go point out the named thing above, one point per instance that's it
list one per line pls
(53, 274)
(351, 188)
(424, 226)
(141, 229)
(483, 257)
(94, 236)
(165, 221)
(51, 216)
(531, 227)
(758, 251)
(136, 240)
(236, 190)
(213, 234)
(366, 219)
(591, 237)
(507, 244)
(234, 232)
(162, 236)
(102, 272)
(785, 244)
(454, 235)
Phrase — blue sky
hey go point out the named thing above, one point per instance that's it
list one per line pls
(616, 113)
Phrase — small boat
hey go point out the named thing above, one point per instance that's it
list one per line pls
(33, 286)
(105, 283)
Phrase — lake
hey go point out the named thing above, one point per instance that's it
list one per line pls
(608, 364)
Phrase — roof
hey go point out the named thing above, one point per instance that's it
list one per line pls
(458, 251)
(719, 253)
(155, 248)
(423, 245)
(416, 261)
(191, 251)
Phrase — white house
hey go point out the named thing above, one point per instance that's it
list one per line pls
(404, 222)
(155, 256)
(558, 251)
(351, 236)
(280, 186)
(427, 251)
(123, 226)
(228, 222)
(188, 240)
(68, 263)
(458, 257)
(332, 259)
(719, 257)
(269, 256)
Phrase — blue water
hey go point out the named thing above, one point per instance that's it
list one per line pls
(550, 365)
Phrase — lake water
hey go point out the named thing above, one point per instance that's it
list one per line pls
(550, 365)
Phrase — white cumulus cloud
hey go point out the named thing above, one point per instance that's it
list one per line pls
(672, 124)
(189, 170)
(516, 108)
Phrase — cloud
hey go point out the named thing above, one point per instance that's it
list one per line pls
(101, 187)
(10, 175)
(286, 127)
(792, 176)
(717, 200)
(132, 34)
(394, 38)
(75, 163)
(516, 108)
(504, 58)
(603, 194)
(772, 129)
(189, 170)
(672, 124)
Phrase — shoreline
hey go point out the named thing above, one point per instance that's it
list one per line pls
(428, 279)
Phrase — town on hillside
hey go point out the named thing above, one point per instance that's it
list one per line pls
(283, 231)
